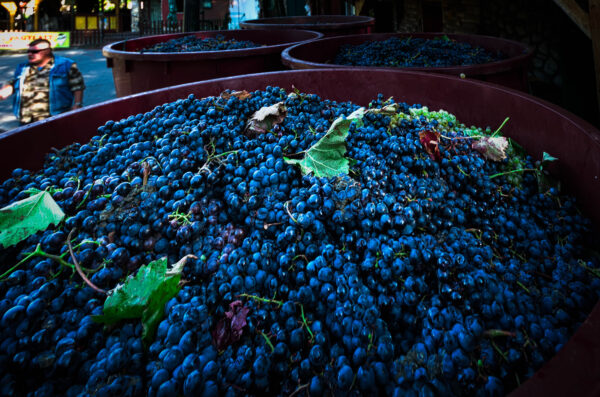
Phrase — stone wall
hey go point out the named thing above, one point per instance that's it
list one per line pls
(411, 17)
(522, 20)
(562, 69)
(461, 16)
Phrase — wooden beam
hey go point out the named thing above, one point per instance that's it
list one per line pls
(577, 15)
(594, 19)
(117, 6)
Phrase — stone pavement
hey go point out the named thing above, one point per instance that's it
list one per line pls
(98, 79)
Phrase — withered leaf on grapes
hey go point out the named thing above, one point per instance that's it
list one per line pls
(387, 110)
(230, 328)
(266, 118)
(430, 139)
(492, 148)
(241, 95)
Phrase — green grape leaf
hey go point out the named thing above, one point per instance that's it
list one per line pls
(546, 181)
(326, 157)
(546, 158)
(32, 191)
(26, 217)
(143, 296)
(492, 148)
(266, 118)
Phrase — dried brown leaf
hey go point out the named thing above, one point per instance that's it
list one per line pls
(266, 118)
(492, 148)
(241, 95)
(430, 139)
(230, 328)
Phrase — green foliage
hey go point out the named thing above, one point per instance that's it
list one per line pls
(143, 296)
(26, 217)
(326, 157)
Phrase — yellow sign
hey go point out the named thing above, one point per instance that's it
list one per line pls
(12, 10)
(20, 40)
(10, 6)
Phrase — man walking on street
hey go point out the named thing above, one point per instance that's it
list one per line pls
(44, 86)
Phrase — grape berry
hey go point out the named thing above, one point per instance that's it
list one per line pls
(191, 43)
(409, 52)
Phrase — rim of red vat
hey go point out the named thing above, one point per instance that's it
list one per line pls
(517, 53)
(130, 49)
(320, 22)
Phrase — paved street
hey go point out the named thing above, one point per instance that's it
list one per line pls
(98, 79)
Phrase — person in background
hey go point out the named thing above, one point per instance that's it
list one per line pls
(44, 86)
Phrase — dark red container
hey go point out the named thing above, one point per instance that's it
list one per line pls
(135, 72)
(329, 25)
(510, 72)
(538, 125)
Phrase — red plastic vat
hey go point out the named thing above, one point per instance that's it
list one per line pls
(510, 72)
(538, 125)
(135, 72)
(329, 25)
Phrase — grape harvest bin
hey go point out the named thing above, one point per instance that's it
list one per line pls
(329, 25)
(536, 124)
(510, 72)
(135, 72)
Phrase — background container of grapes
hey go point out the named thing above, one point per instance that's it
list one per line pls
(134, 71)
(329, 25)
(510, 72)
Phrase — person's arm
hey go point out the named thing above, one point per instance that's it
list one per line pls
(77, 86)
(77, 99)
(6, 91)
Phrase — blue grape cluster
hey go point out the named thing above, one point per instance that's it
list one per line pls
(191, 43)
(410, 52)
(408, 276)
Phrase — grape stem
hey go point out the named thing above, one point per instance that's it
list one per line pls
(101, 140)
(210, 156)
(299, 389)
(594, 272)
(78, 268)
(266, 226)
(312, 336)
(300, 256)
(500, 352)
(259, 299)
(499, 128)
(493, 333)
(145, 160)
(513, 171)
(462, 171)
(287, 209)
(87, 194)
(147, 170)
(39, 252)
(520, 284)
(268, 341)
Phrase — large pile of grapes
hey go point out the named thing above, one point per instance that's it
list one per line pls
(426, 265)
(407, 52)
(192, 43)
